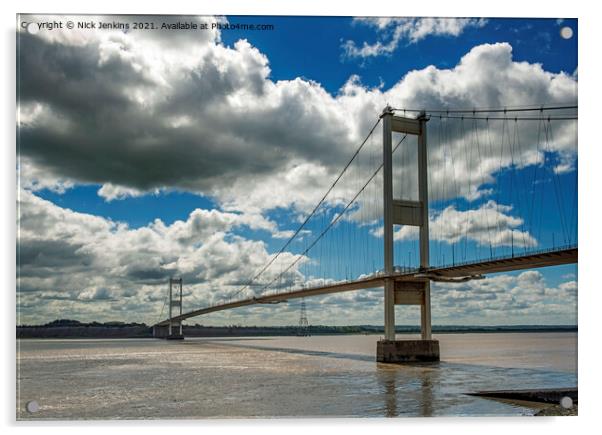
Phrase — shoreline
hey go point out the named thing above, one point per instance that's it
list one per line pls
(546, 402)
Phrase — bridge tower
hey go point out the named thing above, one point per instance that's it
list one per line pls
(175, 301)
(406, 212)
(171, 329)
(174, 325)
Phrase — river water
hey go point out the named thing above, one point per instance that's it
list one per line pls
(318, 376)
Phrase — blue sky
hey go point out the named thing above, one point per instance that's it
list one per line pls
(309, 63)
(310, 47)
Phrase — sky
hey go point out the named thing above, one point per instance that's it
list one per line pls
(145, 154)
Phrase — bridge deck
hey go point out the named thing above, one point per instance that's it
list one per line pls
(520, 262)
(530, 261)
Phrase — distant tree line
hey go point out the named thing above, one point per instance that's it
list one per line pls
(66, 328)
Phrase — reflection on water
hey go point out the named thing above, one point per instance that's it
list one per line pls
(283, 376)
(388, 381)
(417, 392)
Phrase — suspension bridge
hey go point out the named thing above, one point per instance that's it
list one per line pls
(486, 193)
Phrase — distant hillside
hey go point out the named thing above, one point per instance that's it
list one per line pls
(65, 328)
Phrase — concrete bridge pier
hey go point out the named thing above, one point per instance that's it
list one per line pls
(160, 331)
(168, 332)
(406, 212)
(425, 349)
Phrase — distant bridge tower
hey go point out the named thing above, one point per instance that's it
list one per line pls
(171, 328)
(175, 301)
(303, 323)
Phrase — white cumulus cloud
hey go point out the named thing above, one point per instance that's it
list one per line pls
(392, 31)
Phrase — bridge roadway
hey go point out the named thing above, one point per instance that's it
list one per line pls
(454, 273)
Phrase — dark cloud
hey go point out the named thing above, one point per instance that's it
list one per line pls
(35, 254)
(98, 131)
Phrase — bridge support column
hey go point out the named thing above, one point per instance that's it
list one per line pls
(425, 309)
(389, 309)
(404, 212)
(388, 223)
(425, 313)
